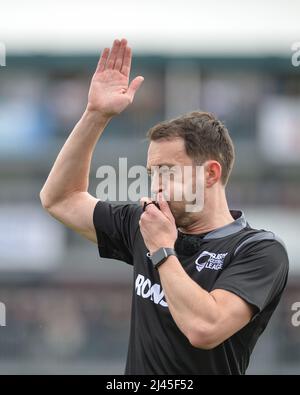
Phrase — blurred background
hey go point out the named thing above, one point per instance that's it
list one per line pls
(67, 311)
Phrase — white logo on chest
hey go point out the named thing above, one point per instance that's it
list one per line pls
(210, 260)
(147, 290)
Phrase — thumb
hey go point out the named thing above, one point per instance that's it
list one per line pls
(164, 207)
(134, 86)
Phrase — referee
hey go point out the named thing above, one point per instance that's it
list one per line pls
(205, 283)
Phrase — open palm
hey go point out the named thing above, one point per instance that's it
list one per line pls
(110, 92)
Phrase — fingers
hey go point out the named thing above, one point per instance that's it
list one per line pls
(145, 199)
(146, 203)
(150, 207)
(126, 62)
(118, 58)
(164, 207)
(103, 60)
(134, 86)
(120, 55)
(113, 55)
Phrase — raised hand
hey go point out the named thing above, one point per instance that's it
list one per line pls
(110, 92)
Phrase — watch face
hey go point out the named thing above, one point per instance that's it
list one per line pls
(160, 255)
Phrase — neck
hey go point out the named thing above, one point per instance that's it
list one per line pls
(214, 215)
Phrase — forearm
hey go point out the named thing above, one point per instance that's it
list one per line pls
(193, 309)
(70, 172)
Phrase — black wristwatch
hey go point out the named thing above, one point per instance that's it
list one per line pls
(159, 256)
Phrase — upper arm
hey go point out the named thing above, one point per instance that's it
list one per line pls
(233, 314)
(116, 227)
(254, 279)
(76, 212)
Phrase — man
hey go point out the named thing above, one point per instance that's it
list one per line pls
(205, 282)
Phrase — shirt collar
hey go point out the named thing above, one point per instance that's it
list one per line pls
(227, 230)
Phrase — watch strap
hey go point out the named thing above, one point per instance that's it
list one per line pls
(159, 256)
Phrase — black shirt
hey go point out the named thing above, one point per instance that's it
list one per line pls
(252, 264)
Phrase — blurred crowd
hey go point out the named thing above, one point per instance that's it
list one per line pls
(56, 315)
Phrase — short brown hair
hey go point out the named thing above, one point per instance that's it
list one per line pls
(205, 138)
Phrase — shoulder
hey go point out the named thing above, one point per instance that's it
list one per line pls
(264, 246)
(262, 238)
(116, 218)
(121, 210)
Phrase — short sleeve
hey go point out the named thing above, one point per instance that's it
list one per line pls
(116, 227)
(258, 273)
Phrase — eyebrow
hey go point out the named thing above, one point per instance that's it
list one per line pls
(161, 165)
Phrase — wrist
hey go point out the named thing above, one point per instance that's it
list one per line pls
(96, 116)
(165, 245)
(161, 255)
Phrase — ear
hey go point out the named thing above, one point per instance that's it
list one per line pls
(213, 172)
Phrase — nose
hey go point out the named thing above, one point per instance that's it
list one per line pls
(156, 185)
